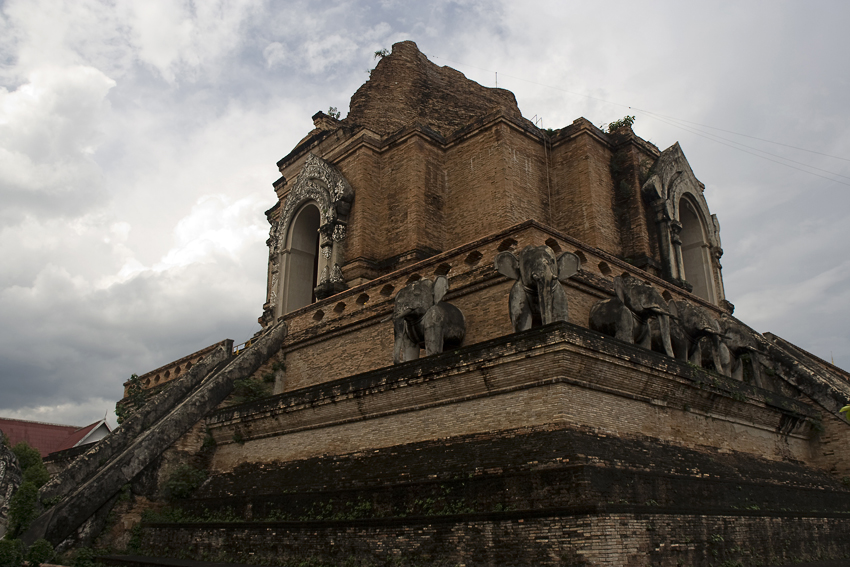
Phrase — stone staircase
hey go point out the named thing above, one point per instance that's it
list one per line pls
(88, 488)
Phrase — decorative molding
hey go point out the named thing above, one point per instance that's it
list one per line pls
(672, 179)
(321, 183)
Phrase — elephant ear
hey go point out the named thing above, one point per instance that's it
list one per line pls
(508, 265)
(441, 286)
(620, 289)
(568, 266)
(673, 309)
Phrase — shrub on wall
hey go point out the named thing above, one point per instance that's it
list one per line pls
(11, 553)
(182, 482)
(39, 552)
(23, 506)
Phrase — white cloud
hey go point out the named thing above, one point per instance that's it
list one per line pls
(49, 128)
(138, 143)
(274, 53)
(216, 226)
(181, 38)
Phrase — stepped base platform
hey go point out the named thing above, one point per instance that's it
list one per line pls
(533, 496)
(625, 458)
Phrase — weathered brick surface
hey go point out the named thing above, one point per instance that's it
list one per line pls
(560, 374)
(340, 336)
(406, 88)
(428, 178)
(624, 537)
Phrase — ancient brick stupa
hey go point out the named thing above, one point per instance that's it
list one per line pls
(483, 344)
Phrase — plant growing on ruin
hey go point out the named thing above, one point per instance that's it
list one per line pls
(182, 482)
(136, 398)
(11, 553)
(39, 552)
(622, 122)
(23, 509)
(381, 53)
(334, 113)
(846, 411)
(249, 390)
(23, 506)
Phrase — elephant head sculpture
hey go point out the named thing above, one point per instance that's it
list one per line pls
(693, 332)
(611, 317)
(650, 309)
(422, 319)
(537, 297)
(742, 343)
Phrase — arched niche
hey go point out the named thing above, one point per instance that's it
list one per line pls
(688, 234)
(301, 259)
(696, 251)
(317, 203)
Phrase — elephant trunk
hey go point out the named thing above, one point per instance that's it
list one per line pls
(719, 364)
(664, 324)
(546, 297)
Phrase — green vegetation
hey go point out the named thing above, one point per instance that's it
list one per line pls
(28, 457)
(11, 553)
(182, 482)
(846, 411)
(23, 509)
(136, 398)
(333, 112)
(39, 552)
(381, 53)
(621, 123)
(23, 506)
(249, 390)
(84, 557)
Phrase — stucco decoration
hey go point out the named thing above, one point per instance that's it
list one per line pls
(681, 212)
(10, 479)
(322, 184)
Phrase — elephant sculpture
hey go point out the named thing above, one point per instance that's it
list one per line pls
(611, 317)
(741, 341)
(422, 319)
(693, 334)
(537, 297)
(649, 308)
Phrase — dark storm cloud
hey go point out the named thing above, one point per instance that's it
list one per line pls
(138, 143)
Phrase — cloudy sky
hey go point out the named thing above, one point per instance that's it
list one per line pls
(138, 142)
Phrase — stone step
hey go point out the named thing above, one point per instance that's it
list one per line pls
(65, 517)
(145, 561)
(621, 535)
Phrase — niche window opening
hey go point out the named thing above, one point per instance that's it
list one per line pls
(301, 263)
(696, 252)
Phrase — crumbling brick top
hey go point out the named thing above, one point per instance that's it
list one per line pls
(406, 88)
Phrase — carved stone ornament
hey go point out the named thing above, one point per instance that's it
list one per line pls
(318, 181)
(321, 183)
(670, 180)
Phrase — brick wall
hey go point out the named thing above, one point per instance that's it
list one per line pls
(615, 539)
(347, 333)
(559, 375)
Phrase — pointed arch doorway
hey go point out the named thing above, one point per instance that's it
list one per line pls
(301, 259)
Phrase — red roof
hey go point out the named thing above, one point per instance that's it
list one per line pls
(46, 437)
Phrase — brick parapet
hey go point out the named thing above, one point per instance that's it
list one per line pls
(173, 370)
(561, 374)
(352, 326)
